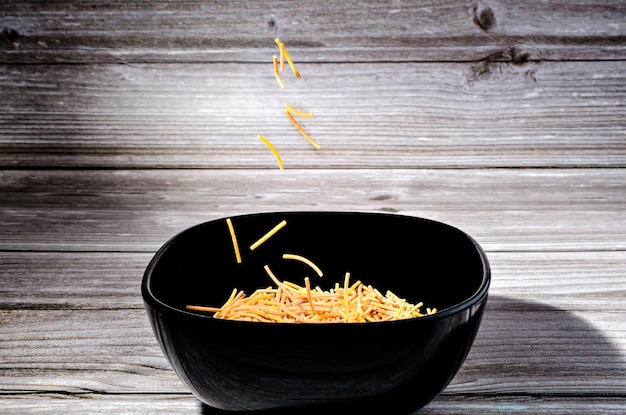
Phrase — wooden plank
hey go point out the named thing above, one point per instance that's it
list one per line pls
(186, 404)
(138, 210)
(78, 351)
(540, 350)
(544, 350)
(100, 404)
(574, 281)
(481, 405)
(71, 280)
(65, 31)
(175, 404)
(383, 115)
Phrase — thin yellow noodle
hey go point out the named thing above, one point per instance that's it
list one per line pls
(268, 235)
(354, 286)
(294, 287)
(267, 302)
(382, 306)
(203, 308)
(400, 311)
(282, 56)
(307, 283)
(276, 317)
(232, 297)
(386, 318)
(272, 276)
(253, 316)
(233, 237)
(415, 308)
(291, 65)
(306, 261)
(345, 295)
(283, 49)
(297, 113)
(290, 313)
(273, 150)
(292, 303)
(228, 304)
(277, 74)
(304, 133)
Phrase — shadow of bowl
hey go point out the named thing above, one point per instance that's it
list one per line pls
(532, 349)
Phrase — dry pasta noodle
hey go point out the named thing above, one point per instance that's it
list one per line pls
(203, 308)
(307, 261)
(277, 73)
(281, 51)
(233, 237)
(297, 113)
(290, 303)
(299, 127)
(268, 235)
(279, 160)
(285, 55)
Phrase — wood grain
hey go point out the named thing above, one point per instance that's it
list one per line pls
(138, 210)
(134, 31)
(374, 115)
(186, 404)
(115, 351)
(124, 122)
(573, 281)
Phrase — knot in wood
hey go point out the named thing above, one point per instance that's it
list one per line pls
(10, 34)
(485, 19)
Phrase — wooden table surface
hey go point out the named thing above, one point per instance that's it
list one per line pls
(124, 122)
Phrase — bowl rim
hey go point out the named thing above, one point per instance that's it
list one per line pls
(154, 303)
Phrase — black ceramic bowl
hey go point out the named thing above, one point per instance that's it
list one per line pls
(241, 366)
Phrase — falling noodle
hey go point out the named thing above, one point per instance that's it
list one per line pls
(273, 150)
(233, 237)
(306, 261)
(268, 235)
(285, 55)
(297, 113)
(299, 127)
(282, 54)
(277, 73)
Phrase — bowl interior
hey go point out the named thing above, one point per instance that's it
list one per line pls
(417, 259)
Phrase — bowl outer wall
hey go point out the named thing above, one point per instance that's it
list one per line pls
(241, 365)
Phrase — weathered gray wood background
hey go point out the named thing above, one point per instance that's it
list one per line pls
(124, 122)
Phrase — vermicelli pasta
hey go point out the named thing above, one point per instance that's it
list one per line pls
(297, 113)
(279, 160)
(299, 127)
(233, 237)
(285, 55)
(307, 261)
(290, 303)
(268, 235)
(277, 73)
